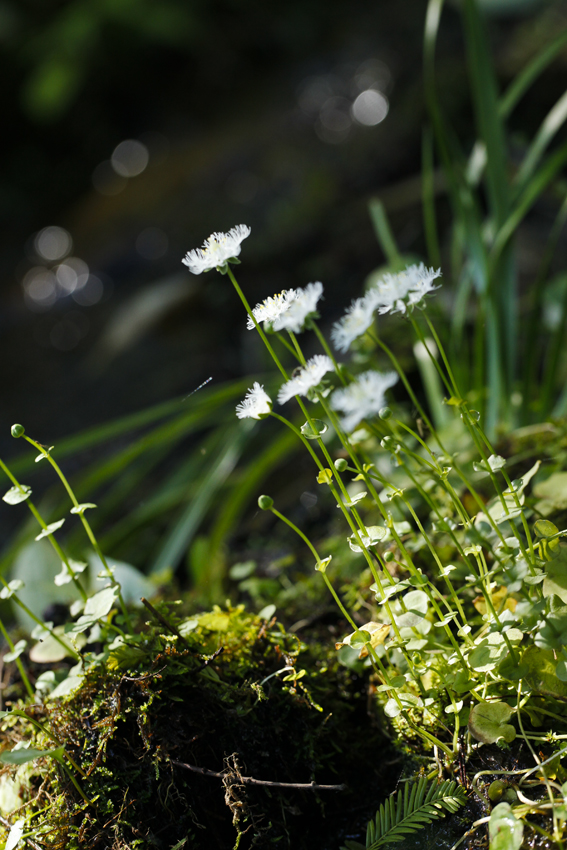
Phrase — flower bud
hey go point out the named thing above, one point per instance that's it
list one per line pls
(265, 503)
(385, 413)
(388, 556)
(341, 464)
(18, 430)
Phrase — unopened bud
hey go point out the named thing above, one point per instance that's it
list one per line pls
(18, 430)
(265, 503)
(385, 413)
(341, 464)
(388, 556)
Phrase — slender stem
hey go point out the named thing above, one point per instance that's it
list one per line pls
(19, 664)
(85, 523)
(43, 525)
(256, 325)
(311, 323)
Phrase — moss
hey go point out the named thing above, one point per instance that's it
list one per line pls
(230, 694)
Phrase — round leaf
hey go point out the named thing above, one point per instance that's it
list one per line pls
(488, 722)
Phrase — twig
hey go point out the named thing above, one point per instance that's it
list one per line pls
(249, 780)
(169, 626)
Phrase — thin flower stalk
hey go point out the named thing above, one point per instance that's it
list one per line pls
(36, 514)
(19, 664)
(312, 324)
(473, 429)
(260, 330)
(85, 523)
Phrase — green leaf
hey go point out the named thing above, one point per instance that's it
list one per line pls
(49, 649)
(15, 495)
(19, 647)
(26, 754)
(419, 803)
(545, 528)
(80, 509)
(67, 686)
(540, 672)
(488, 722)
(11, 588)
(53, 526)
(554, 490)
(101, 603)
(555, 581)
(316, 432)
(506, 833)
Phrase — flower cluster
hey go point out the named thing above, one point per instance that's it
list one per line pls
(289, 310)
(218, 250)
(307, 377)
(271, 309)
(393, 293)
(363, 398)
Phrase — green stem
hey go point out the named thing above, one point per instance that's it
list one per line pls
(311, 323)
(19, 664)
(85, 523)
(43, 525)
(256, 325)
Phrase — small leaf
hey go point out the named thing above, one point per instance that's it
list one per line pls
(101, 603)
(16, 652)
(316, 432)
(506, 833)
(49, 650)
(53, 526)
(67, 686)
(42, 456)
(496, 462)
(26, 754)
(66, 575)
(325, 477)
(79, 509)
(15, 834)
(321, 566)
(545, 528)
(488, 722)
(15, 495)
(11, 588)
(372, 633)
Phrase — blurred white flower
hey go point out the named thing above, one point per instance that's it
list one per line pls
(307, 377)
(363, 398)
(217, 250)
(271, 309)
(354, 323)
(422, 282)
(256, 404)
(300, 308)
(395, 292)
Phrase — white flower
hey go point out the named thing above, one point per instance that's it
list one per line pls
(271, 309)
(388, 294)
(300, 308)
(217, 250)
(257, 404)
(395, 292)
(354, 323)
(422, 282)
(308, 377)
(363, 398)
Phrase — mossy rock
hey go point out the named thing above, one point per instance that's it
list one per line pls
(165, 741)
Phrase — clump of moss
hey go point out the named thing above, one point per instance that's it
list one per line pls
(170, 723)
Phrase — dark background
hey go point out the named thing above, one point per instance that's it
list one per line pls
(244, 110)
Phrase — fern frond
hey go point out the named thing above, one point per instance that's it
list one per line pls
(417, 805)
